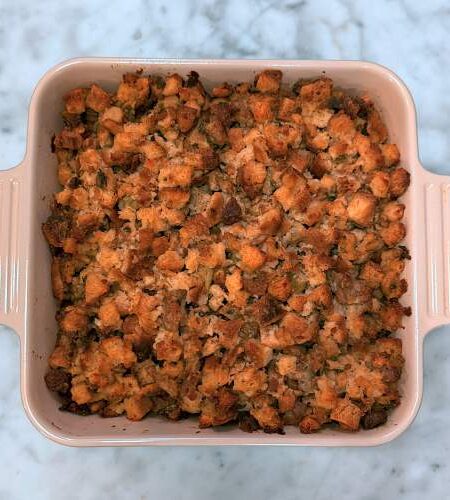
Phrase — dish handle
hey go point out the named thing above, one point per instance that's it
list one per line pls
(12, 251)
(433, 262)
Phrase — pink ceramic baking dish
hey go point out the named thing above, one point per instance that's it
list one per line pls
(27, 304)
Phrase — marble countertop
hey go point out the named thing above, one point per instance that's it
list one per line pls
(408, 36)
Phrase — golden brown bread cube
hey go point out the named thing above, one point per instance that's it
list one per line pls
(269, 81)
(109, 315)
(261, 107)
(393, 233)
(128, 142)
(296, 328)
(81, 393)
(136, 407)
(133, 91)
(317, 92)
(309, 424)
(379, 185)
(212, 255)
(97, 99)
(391, 154)
(252, 258)
(95, 287)
(112, 119)
(280, 288)
(170, 261)
(266, 416)
(347, 414)
(186, 118)
(175, 176)
(341, 127)
(250, 381)
(400, 179)
(173, 85)
(74, 319)
(393, 211)
(75, 101)
(361, 208)
(119, 351)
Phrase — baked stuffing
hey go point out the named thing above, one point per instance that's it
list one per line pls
(234, 254)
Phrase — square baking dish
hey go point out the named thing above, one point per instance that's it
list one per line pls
(27, 304)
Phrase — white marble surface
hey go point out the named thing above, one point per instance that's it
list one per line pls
(412, 38)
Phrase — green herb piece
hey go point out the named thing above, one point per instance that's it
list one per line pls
(127, 201)
(101, 179)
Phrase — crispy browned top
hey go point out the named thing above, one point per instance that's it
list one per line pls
(233, 254)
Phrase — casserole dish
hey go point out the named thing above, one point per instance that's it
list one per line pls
(27, 304)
